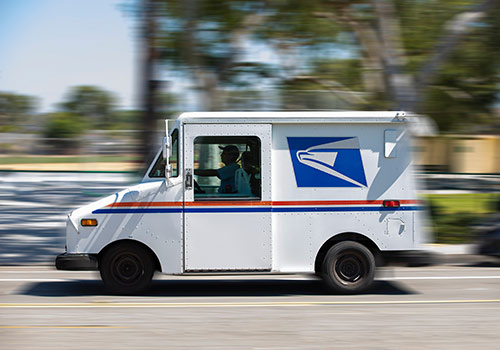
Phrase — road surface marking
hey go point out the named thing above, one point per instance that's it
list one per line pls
(63, 327)
(52, 270)
(437, 278)
(36, 280)
(238, 304)
(27, 271)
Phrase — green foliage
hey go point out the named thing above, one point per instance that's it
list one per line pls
(92, 103)
(300, 23)
(124, 120)
(466, 88)
(339, 46)
(455, 229)
(63, 125)
(422, 24)
(16, 104)
(453, 216)
(324, 86)
(198, 34)
(63, 131)
(14, 108)
(9, 127)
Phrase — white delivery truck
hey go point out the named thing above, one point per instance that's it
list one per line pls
(326, 193)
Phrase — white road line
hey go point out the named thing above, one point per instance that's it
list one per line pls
(43, 271)
(456, 269)
(240, 304)
(438, 278)
(34, 280)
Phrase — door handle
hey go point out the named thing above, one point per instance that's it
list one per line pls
(188, 183)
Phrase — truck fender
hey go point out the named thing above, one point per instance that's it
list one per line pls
(346, 236)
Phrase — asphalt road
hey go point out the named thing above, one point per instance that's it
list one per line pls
(441, 307)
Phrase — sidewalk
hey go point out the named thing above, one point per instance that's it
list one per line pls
(451, 249)
(458, 254)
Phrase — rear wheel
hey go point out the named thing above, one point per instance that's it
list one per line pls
(127, 268)
(348, 267)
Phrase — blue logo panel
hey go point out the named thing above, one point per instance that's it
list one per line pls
(327, 161)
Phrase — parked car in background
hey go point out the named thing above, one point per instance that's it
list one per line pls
(488, 233)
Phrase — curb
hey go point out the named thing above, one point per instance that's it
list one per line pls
(466, 259)
(457, 254)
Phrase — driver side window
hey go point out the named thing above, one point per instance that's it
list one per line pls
(227, 167)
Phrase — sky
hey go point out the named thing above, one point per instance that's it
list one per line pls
(47, 46)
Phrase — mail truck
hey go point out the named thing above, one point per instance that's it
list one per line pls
(324, 193)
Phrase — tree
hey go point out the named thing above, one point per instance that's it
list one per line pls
(203, 41)
(62, 131)
(14, 108)
(406, 47)
(93, 103)
(370, 54)
(197, 39)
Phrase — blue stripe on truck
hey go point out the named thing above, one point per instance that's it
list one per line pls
(251, 210)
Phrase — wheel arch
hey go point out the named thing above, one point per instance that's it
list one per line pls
(131, 241)
(346, 236)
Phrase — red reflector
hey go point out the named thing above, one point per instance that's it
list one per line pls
(391, 204)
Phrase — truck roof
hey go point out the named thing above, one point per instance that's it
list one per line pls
(237, 117)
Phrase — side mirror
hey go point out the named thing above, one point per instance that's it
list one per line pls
(166, 155)
(166, 148)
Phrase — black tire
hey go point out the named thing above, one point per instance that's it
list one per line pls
(127, 268)
(348, 268)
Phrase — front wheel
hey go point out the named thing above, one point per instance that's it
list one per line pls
(126, 268)
(349, 268)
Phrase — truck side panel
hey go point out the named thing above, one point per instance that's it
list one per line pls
(332, 179)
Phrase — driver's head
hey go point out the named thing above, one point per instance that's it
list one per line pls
(230, 154)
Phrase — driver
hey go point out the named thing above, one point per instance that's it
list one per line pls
(229, 156)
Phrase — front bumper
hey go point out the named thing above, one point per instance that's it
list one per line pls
(77, 262)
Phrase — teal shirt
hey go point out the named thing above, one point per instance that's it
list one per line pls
(226, 176)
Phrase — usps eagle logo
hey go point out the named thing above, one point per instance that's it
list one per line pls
(327, 161)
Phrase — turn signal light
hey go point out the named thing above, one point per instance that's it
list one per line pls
(89, 222)
(391, 204)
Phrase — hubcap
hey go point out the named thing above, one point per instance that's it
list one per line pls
(349, 268)
(127, 268)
